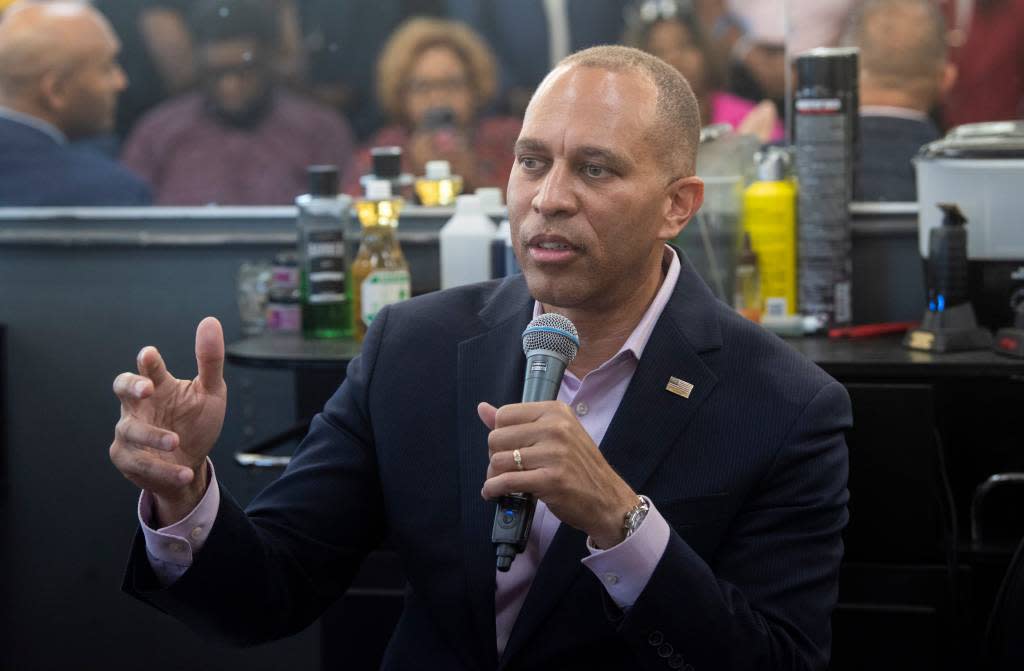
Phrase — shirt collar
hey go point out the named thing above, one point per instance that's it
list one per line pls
(637, 340)
(27, 120)
(889, 110)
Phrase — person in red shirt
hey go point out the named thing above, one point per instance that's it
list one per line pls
(987, 37)
(241, 139)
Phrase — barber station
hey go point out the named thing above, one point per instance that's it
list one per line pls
(487, 347)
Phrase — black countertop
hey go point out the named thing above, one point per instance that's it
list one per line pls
(881, 357)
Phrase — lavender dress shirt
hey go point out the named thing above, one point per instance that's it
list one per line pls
(623, 570)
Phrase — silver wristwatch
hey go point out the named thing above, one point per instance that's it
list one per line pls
(635, 516)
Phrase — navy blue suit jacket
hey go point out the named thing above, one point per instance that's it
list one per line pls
(749, 471)
(36, 170)
(887, 147)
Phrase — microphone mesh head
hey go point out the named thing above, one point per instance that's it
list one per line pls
(553, 332)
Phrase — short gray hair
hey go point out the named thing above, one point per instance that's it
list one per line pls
(902, 42)
(677, 125)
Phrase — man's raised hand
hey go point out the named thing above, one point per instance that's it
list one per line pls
(169, 426)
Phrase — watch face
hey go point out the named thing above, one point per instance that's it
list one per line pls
(636, 516)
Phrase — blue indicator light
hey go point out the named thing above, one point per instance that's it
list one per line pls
(942, 302)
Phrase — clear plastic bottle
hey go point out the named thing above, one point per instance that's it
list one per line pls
(380, 274)
(747, 287)
(465, 243)
(439, 187)
(323, 215)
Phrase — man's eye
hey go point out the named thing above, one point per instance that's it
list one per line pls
(529, 163)
(595, 171)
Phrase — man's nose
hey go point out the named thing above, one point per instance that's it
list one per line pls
(120, 79)
(555, 196)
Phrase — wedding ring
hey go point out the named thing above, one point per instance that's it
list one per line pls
(518, 458)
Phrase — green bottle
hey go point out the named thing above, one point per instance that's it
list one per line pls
(323, 218)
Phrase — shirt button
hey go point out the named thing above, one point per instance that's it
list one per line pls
(656, 638)
(665, 651)
(196, 533)
(582, 409)
(676, 662)
(611, 578)
(177, 548)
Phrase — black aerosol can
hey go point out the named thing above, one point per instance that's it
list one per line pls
(825, 130)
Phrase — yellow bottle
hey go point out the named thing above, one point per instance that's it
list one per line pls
(769, 217)
(380, 274)
(439, 186)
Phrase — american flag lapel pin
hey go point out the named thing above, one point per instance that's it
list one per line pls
(679, 387)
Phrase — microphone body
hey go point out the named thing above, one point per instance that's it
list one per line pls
(549, 345)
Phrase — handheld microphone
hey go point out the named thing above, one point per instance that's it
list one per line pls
(550, 343)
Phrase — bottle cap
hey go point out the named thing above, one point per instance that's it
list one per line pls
(771, 165)
(829, 68)
(468, 204)
(387, 161)
(438, 170)
(323, 180)
(378, 189)
(490, 197)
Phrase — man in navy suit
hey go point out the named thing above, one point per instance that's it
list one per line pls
(59, 82)
(691, 476)
(905, 73)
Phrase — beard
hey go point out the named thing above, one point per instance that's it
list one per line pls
(247, 118)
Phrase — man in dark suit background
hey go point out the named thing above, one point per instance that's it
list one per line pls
(59, 82)
(905, 73)
(691, 477)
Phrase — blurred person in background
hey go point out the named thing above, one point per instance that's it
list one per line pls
(434, 78)
(241, 139)
(59, 82)
(905, 73)
(341, 41)
(156, 53)
(751, 36)
(671, 31)
(987, 37)
(530, 36)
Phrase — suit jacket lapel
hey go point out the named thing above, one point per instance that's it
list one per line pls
(647, 424)
(650, 418)
(490, 369)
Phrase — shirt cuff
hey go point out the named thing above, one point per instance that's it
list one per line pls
(625, 569)
(171, 549)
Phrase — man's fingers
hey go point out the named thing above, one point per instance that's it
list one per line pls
(511, 437)
(151, 364)
(487, 414)
(530, 482)
(531, 458)
(147, 470)
(130, 387)
(210, 354)
(139, 433)
(523, 413)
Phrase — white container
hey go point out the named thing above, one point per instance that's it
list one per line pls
(465, 243)
(980, 168)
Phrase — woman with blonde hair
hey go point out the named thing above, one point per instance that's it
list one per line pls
(434, 79)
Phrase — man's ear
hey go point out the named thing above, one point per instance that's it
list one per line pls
(946, 81)
(683, 198)
(53, 93)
